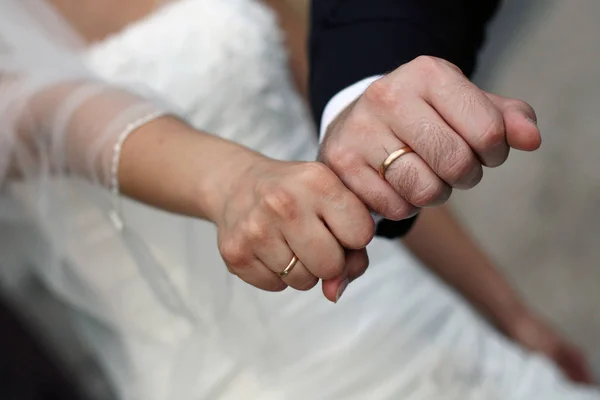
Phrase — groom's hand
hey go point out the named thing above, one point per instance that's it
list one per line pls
(453, 127)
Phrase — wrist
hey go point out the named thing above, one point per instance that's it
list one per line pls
(172, 166)
(227, 170)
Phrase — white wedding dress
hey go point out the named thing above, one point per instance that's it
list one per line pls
(166, 320)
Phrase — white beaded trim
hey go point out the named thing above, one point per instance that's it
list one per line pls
(115, 214)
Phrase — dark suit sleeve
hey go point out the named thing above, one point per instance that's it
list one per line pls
(354, 39)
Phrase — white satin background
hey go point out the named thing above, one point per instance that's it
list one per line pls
(155, 301)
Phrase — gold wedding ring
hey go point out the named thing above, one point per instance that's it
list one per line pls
(391, 158)
(289, 267)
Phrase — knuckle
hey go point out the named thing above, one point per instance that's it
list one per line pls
(278, 201)
(424, 61)
(461, 166)
(342, 148)
(449, 65)
(313, 171)
(234, 254)
(256, 230)
(380, 94)
(344, 160)
(429, 65)
(435, 71)
(493, 133)
(317, 176)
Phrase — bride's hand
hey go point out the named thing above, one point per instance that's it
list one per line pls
(274, 210)
(265, 210)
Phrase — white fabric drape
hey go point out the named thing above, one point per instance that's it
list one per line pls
(59, 123)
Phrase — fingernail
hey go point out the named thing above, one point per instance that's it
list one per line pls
(341, 289)
(531, 120)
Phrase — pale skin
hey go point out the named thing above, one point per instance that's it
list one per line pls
(266, 213)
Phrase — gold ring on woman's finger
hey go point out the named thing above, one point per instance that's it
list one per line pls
(289, 267)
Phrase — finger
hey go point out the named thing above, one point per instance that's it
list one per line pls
(346, 217)
(443, 150)
(520, 121)
(410, 176)
(416, 182)
(238, 254)
(277, 256)
(315, 245)
(468, 111)
(258, 275)
(357, 262)
(377, 194)
(348, 161)
(262, 240)
(300, 277)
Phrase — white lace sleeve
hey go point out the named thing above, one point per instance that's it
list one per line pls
(156, 292)
(61, 131)
(57, 117)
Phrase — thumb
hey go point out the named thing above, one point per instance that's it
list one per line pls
(357, 262)
(520, 123)
(334, 288)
